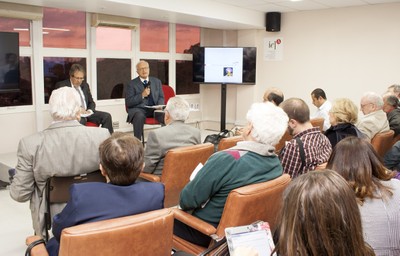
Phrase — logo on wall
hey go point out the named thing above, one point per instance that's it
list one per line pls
(273, 49)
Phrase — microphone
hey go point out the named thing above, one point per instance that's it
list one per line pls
(147, 84)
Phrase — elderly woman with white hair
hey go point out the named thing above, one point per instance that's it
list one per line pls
(65, 148)
(251, 161)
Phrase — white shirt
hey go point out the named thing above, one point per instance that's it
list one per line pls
(323, 111)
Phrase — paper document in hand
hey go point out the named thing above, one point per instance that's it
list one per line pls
(156, 106)
(195, 171)
(86, 115)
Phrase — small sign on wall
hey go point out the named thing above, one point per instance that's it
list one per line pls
(273, 49)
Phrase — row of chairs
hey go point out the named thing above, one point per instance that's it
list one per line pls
(151, 233)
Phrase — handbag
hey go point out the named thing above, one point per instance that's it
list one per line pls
(215, 138)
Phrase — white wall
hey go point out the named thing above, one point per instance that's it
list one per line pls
(345, 51)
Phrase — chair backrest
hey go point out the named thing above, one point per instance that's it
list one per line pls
(168, 93)
(318, 122)
(229, 142)
(179, 164)
(148, 233)
(382, 142)
(57, 190)
(261, 201)
(281, 144)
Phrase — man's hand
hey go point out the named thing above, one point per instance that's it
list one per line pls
(146, 92)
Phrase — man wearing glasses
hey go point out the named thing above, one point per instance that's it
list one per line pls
(88, 112)
(374, 120)
(143, 95)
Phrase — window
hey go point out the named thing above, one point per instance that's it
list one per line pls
(112, 75)
(153, 36)
(57, 69)
(159, 69)
(184, 78)
(186, 38)
(64, 28)
(108, 38)
(22, 95)
(17, 25)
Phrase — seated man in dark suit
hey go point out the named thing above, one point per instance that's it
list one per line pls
(141, 93)
(121, 161)
(88, 112)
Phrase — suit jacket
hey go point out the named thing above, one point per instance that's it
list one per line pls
(373, 123)
(159, 141)
(133, 98)
(95, 201)
(90, 104)
(394, 120)
(63, 149)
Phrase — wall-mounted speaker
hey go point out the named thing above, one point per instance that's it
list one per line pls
(273, 21)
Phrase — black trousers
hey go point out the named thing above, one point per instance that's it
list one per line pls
(101, 118)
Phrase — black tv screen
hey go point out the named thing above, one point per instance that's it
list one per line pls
(9, 61)
(225, 65)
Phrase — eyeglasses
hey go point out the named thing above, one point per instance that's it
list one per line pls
(363, 105)
(78, 78)
(145, 68)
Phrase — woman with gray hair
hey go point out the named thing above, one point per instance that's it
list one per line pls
(251, 161)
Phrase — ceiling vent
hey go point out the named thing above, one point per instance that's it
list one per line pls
(104, 20)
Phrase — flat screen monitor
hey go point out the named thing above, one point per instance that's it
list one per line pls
(225, 65)
(9, 62)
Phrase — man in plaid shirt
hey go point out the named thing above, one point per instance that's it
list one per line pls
(316, 146)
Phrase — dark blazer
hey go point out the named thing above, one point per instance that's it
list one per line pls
(95, 201)
(133, 98)
(90, 104)
(340, 131)
(394, 120)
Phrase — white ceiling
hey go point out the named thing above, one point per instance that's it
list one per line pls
(218, 14)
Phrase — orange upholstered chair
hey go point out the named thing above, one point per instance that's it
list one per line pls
(243, 206)
(148, 233)
(382, 142)
(318, 122)
(229, 142)
(179, 164)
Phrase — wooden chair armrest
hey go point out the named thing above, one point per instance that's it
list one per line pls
(150, 177)
(36, 250)
(194, 222)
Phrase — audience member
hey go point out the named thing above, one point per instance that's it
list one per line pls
(88, 106)
(343, 116)
(374, 120)
(273, 95)
(391, 160)
(395, 90)
(378, 194)
(66, 148)
(141, 93)
(319, 100)
(309, 148)
(391, 108)
(175, 134)
(250, 161)
(320, 217)
(121, 161)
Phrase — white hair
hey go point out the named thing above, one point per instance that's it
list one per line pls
(269, 122)
(372, 97)
(64, 104)
(178, 109)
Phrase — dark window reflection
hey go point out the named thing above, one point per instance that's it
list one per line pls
(184, 81)
(112, 75)
(57, 69)
(159, 69)
(23, 94)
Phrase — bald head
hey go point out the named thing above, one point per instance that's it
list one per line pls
(273, 95)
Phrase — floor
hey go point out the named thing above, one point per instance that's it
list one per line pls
(15, 218)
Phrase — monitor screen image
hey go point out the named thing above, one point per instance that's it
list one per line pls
(228, 65)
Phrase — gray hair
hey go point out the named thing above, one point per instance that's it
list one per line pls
(64, 104)
(178, 109)
(269, 122)
(374, 98)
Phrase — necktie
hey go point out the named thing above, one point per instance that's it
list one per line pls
(145, 83)
(82, 100)
(150, 101)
